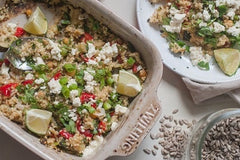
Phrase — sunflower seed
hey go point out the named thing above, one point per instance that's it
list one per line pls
(147, 151)
(175, 111)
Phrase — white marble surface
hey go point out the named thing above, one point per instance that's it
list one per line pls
(171, 92)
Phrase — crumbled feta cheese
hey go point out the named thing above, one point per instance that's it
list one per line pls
(231, 13)
(93, 145)
(89, 88)
(202, 24)
(39, 81)
(218, 27)
(100, 105)
(206, 15)
(39, 60)
(139, 67)
(55, 51)
(120, 109)
(4, 70)
(72, 114)
(43, 87)
(73, 94)
(109, 51)
(198, 15)
(197, 55)
(55, 86)
(29, 76)
(12, 25)
(56, 102)
(234, 30)
(92, 62)
(70, 82)
(76, 102)
(215, 13)
(175, 23)
(107, 60)
(73, 51)
(91, 50)
(87, 76)
(114, 126)
(173, 11)
(115, 77)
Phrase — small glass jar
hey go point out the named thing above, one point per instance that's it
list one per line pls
(196, 139)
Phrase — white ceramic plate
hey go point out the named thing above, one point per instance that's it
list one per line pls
(180, 65)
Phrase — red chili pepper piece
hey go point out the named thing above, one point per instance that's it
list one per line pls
(85, 97)
(94, 105)
(84, 58)
(65, 134)
(30, 81)
(87, 133)
(119, 58)
(112, 113)
(5, 61)
(134, 68)
(86, 37)
(19, 32)
(6, 89)
(102, 125)
(57, 75)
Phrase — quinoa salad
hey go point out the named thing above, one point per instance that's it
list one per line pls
(195, 28)
(75, 70)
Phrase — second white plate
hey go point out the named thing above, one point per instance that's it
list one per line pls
(180, 65)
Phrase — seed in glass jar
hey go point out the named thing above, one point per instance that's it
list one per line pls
(166, 117)
(161, 120)
(152, 136)
(154, 152)
(168, 125)
(147, 151)
(175, 111)
(155, 147)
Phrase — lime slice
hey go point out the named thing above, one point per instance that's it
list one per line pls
(38, 120)
(228, 60)
(128, 84)
(37, 23)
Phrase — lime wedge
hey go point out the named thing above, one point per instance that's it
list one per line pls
(128, 84)
(38, 120)
(228, 59)
(37, 23)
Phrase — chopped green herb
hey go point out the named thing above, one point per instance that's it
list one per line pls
(69, 67)
(107, 106)
(203, 65)
(205, 31)
(222, 10)
(166, 20)
(131, 61)
(63, 80)
(65, 91)
(41, 68)
(73, 87)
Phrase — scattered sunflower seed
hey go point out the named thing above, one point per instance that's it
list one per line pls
(172, 135)
(155, 147)
(154, 152)
(175, 111)
(147, 151)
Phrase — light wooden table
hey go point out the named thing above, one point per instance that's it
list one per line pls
(171, 92)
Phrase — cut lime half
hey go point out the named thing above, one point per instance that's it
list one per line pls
(37, 23)
(228, 59)
(128, 84)
(38, 120)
